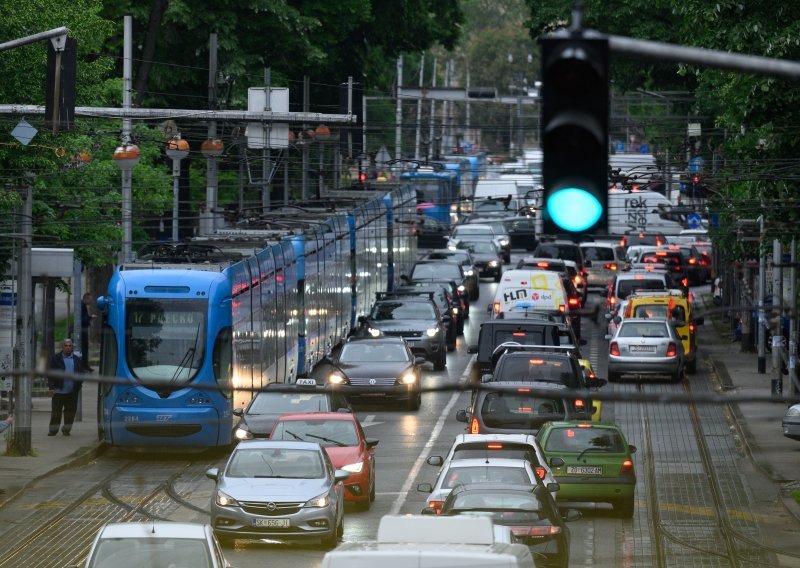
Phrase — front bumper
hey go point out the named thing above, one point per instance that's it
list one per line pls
(644, 365)
(791, 427)
(306, 523)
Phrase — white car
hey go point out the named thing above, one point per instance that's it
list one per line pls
(129, 545)
(475, 231)
(511, 446)
(476, 470)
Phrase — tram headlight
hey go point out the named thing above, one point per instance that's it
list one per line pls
(225, 500)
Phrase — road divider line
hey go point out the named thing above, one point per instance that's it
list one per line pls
(437, 429)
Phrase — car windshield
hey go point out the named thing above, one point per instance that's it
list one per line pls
(564, 252)
(536, 368)
(282, 402)
(324, 432)
(485, 474)
(495, 205)
(276, 462)
(447, 270)
(366, 353)
(495, 450)
(651, 311)
(643, 329)
(466, 230)
(598, 253)
(643, 239)
(480, 247)
(508, 505)
(578, 439)
(387, 311)
(519, 410)
(626, 287)
(138, 552)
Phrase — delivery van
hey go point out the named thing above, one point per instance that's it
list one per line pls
(416, 541)
(643, 211)
(523, 290)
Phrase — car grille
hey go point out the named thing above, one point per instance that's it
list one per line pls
(379, 381)
(403, 333)
(262, 508)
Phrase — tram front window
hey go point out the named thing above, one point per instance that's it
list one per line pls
(165, 339)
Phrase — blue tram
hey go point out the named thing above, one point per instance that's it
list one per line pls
(438, 192)
(257, 303)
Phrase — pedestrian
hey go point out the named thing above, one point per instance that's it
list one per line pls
(5, 424)
(65, 391)
(86, 321)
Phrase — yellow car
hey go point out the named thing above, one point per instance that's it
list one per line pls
(669, 305)
(598, 404)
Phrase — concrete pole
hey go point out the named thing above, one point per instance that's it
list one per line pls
(127, 193)
(433, 113)
(286, 179)
(176, 178)
(23, 351)
(77, 325)
(443, 143)
(211, 161)
(419, 108)
(762, 286)
(266, 162)
(398, 118)
(306, 104)
(467, 118)
(795, 388)
(777, 311)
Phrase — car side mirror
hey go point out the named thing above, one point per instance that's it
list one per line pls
(372, 443)
(607, 337)
(556, 462)
(599, 383)
(461, 416)
(472, 349)
(632, 448)
(617, 320)
(428, 511)
(213, 473)
(238, 411)
(488, 308)
(340, 475)
(587, 263)
(699, 321)
(425, 488)
(487, 378)
(572, 515)
(419, 361)
(582, 342)
(435, 460)
(553, 486)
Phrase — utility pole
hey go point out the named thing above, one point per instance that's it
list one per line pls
(419, 107)
(399, 111)
(433, 113)
(306, 104)
(211, 159)
(762, 285)
(445, 109)
(795, 388)
(265, 152)
(127, 173)
(777, 310)
(23, 351)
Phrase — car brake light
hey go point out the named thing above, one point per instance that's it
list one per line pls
(492, 446)
(518, 334)
(573, 302)
(562, 308)
(536, 361)
(497, 307)
(614, 349)
(692, 261)
(539, 472)
(579, 404)
(691, 327)
(436, 506)
(685, 281)
(627, 468)
(577, 280)
(543, 264)
(583, 425)
(523, 390)
(612, 300)
(622, 242)
(672, 350)
(704, 262)
(610, 266)
(546, 530)
(474, 426)
(661, 253)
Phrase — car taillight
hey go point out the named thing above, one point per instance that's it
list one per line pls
(579, 404)
(497, 307)
(610, 266)
(672, 350)
(612, 300)
(622, 242)
(626, 468)
(574, 302)
(577, 280)
(614, 349)
(562, 308)
(685, 282)
(691, 327)
(474, 426)
(546, 530)
(692, 261)
(540, 472)
(436, 506)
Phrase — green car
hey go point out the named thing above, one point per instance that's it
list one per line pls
(591, 461)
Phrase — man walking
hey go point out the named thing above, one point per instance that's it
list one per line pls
(86, 321)
(64, 391)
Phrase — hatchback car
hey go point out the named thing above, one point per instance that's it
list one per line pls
(257, 420)
(467, 262)
(634, 238)
(278, 489)
(487, 258)
(530, 512)
(645, 347)
(381, 368)
(344, 441)
(473, 232)
(603, 260)
(454, 323)
(791, 422)
(129, 545)
(592, 461)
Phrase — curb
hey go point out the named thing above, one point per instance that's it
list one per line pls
(81, 456)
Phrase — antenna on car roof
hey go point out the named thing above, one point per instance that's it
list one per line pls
(153, 531)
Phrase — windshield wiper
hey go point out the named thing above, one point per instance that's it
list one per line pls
(295, 436)
(592, 449)
(188, 356)
(324, 439)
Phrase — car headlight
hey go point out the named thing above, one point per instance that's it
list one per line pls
(454, 311)
(793, 411)
(242, 433)
(353, 467)
(503, 242)
(461, 288)
(225, 500)
(336, 378)
(431, 332)
(452, 247)
(409, 378)
(374, 332)
(321, 501)
(469, 273)
(493, 263)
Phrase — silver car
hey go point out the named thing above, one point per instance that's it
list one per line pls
(645, 347)
(278, 489)
(603, 261)
(791, 422)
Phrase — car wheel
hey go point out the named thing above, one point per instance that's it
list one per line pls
(333, 539)
(412, 404)
(372, 489)
(691, 367)
(440, 362)
(362, 506)
(624, 508)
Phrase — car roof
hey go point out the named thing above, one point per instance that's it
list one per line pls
(497, 462)
(154, 530)
(514, 385)
(473, 225)
(644, 320)
(584, 424)
(409, 298)
(317, 416)
(608, 244)
(509, 438)
(380, 339)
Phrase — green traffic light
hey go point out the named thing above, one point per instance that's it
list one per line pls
(574, 209)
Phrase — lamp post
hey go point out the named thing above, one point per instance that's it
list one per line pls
(211, 149)
(177, 149)
(126, 157)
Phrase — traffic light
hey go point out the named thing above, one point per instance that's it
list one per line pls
(575, 107)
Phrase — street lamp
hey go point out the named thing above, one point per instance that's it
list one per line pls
(177, 149)
(126, 157)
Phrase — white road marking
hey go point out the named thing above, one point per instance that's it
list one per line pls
(437, 429)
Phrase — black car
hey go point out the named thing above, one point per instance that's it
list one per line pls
(565, 250)
(522, 232)
(257, 420)
(467, 262)
(382, 367)
(530, 512)
(443, 301)
(440, 270)
(452, 286)
(487, 258)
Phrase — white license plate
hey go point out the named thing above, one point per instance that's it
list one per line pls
(271, 523)
(307, 382)
(584, 470)
(643, 348)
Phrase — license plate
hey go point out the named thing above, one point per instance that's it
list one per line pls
(307, 382)
(271, 523)
(584, 470)
(643, 348)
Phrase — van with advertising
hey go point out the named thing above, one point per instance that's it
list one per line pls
(642, 211)
(521, 290)
(417, 541)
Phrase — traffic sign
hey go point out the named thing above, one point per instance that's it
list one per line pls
(694, 220)
(696, 164)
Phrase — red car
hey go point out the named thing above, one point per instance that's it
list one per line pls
(343, 439)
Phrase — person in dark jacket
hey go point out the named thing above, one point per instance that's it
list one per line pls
(65, 391)
(86, 321)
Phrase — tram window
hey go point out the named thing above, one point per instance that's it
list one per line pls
(108, 357)
(223, 361)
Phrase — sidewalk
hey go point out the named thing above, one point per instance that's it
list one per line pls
(758, 423)
(52, 453)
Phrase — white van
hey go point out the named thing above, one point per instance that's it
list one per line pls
(416, 541)
(642, 211)
(521, 290)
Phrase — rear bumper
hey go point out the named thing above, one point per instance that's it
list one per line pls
(644, 365)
